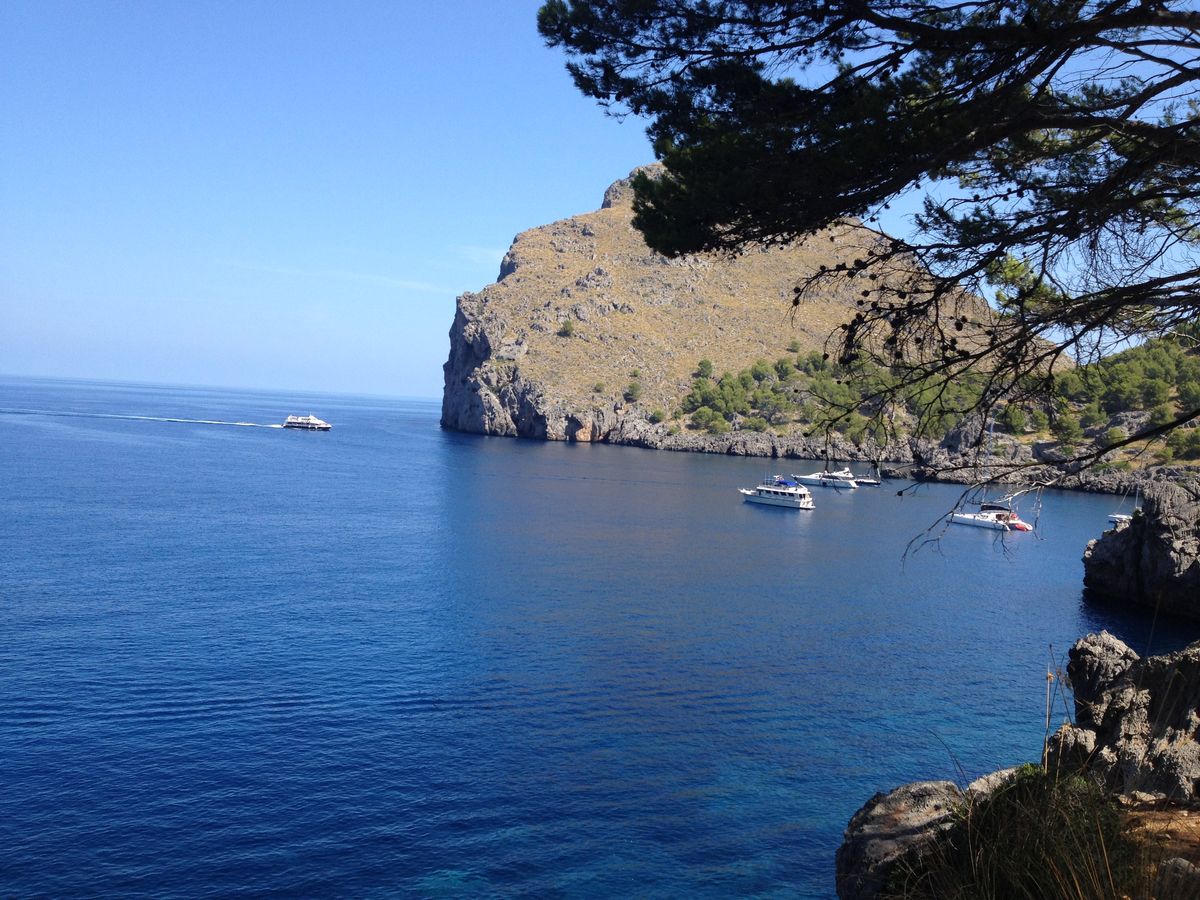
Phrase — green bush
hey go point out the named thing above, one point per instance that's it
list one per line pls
(1113, 435)
(633, 392)
(704, 369)
(1161, 415)
(754, 423)
(1184, 443)
(1066, 427)
(1013, 419)
(566, 329)
(657, 416)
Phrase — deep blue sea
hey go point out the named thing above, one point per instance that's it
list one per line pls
(390, 660)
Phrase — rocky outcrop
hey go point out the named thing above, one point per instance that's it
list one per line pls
(892, 830)
(1137, 721)
(1137, 727)
(582, 310)
(1153, 561)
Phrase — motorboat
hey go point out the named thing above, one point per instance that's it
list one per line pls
(997, 516)
(775, 490)
(843, 479)
(307, 423)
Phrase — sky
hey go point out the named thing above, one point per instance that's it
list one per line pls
(277, 195)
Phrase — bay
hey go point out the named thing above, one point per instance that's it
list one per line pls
(393, 660)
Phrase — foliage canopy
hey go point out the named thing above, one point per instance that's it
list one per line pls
(1057, 143)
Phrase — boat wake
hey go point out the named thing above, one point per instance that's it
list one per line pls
(86, 415)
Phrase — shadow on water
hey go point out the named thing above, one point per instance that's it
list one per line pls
(1145, 630)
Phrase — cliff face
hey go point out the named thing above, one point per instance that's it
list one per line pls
(582, 308)
(1153, 561)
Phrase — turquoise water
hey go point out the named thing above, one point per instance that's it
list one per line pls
(392, 660)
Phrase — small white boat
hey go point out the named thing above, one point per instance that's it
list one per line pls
(307, 423)
(843, 479)
(779, 491)
(1119, 518)
(997, 516)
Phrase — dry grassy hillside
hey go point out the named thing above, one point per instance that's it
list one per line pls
(632, 309)
(583, 304)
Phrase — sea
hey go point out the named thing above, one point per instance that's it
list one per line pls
(392, 660)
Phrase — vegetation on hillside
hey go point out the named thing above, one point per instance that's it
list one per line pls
(1057, 143)
(1099, 406)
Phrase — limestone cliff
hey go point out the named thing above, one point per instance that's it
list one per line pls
(1153, 561)
(582, 308)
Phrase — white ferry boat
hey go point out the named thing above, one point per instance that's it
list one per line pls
(307, 423)
(997, 516)
(779, 491)
(842, 479)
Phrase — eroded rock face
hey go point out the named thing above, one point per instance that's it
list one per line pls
(892, 829)
(1138, 720)
(1153, 561)
(582, 309)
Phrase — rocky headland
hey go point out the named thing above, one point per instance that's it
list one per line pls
(589, 336)
(1154, 559)
(582, 308)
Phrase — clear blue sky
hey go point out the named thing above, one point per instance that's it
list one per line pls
(275, 194)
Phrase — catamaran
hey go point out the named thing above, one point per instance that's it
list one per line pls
(997, 515)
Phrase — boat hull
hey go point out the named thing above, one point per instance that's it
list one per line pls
(785, 502)
(840, 484)
(976, 521)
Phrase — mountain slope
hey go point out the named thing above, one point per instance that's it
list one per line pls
(582, 308)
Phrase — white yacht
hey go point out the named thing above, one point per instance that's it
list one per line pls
(842, 479)
(997, 516)
(1121, 518)
(307, 423)
(776, 490)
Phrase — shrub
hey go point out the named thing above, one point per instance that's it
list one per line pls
(1161, 415)
(1184, 443)
(754, 423)
(566, 329)
(657, 416)
(633, 392)
(719, 426)
(704, 369)
(1013, 419)
(598, 387)
(1113, 435)
(1066, 427)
